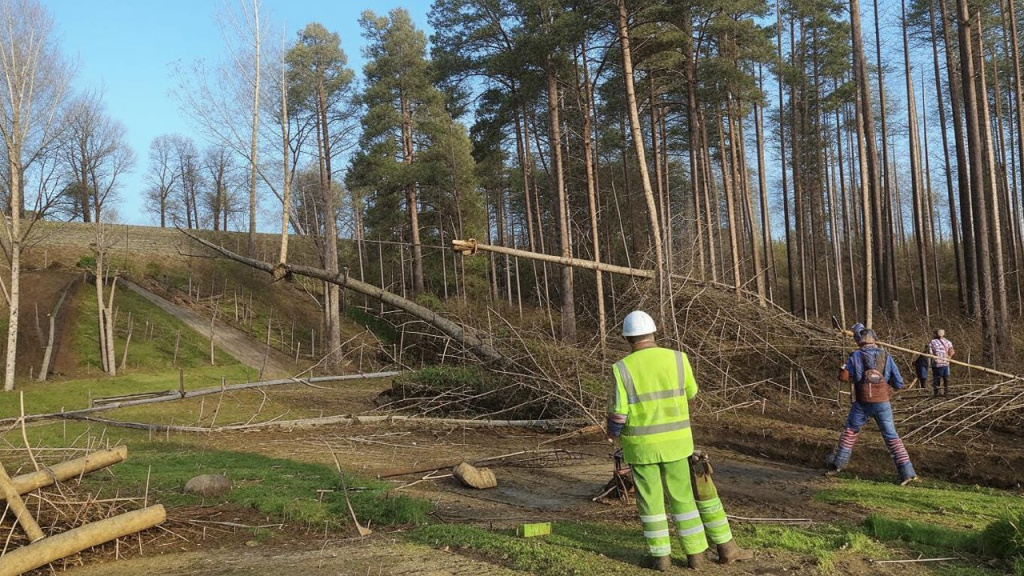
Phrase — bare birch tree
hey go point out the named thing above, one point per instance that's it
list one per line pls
(34, 90)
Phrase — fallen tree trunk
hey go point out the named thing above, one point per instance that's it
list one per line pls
(471, 246)
(53, 548)
(340, 419)
(175, 395)
(14, 502)
(26, 483)
(467, 336)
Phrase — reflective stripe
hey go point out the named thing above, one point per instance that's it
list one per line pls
(656, 533)
(680, 371)
(653, 518)
(686, 516)
(656, 428)
(627, 382)
(716, 523)
(713, 506)
(691, 531)
(660, 550)
(660, 395)
(633, 398)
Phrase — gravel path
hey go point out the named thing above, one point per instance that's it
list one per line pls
(228, 338)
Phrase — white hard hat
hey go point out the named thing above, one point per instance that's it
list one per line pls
(638, 323)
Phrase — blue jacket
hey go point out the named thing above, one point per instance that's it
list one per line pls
(864, 358)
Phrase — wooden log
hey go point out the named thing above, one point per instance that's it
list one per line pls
(25, 519)
(340, 419)
(471, 246)
(47, 550)
(176, 395)
(26, 483)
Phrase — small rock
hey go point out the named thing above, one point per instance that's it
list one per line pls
(208, 485)
(479, 478)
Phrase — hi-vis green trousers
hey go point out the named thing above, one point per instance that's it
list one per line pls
(694, 520)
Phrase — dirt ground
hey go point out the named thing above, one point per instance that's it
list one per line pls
(40, 291)
(542, 481)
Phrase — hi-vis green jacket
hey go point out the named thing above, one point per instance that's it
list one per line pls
(652, 389)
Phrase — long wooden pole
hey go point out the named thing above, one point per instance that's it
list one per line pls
(14, 501)
(468, 247)
(950, 360)
(47, 550)
(26, 483)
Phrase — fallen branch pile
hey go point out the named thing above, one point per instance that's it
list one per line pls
(73, 523)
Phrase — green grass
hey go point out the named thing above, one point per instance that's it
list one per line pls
(54, 396)
(939, 519)
(951, 505)
(154, 337)
(278, 488)
(825, 543)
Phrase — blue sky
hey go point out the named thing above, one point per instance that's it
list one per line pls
(126, 49)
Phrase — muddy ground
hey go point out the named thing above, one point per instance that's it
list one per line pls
(548, 481)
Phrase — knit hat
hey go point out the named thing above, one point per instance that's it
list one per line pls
(856, 329)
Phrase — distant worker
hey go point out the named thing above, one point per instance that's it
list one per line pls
(921, 367)
(649, 413)
(873, 372)
(942, 350)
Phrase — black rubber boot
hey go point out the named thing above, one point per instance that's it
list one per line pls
(731, 552)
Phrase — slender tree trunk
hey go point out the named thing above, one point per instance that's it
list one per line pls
(884, 240)
(568, 304)
(785, 175)
(869, 176)
(964, 179)
(411, 201)
(730, 202)
(1001, 317)
(638, 143)
(15, 284)
(916, 189)
(953, 220)
(588, 165)
(979, 204)
(692, 120)
(1019, 116)
(768, 261)
(255, 126)
(286, 186)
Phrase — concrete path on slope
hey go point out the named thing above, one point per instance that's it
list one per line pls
(231, 340)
